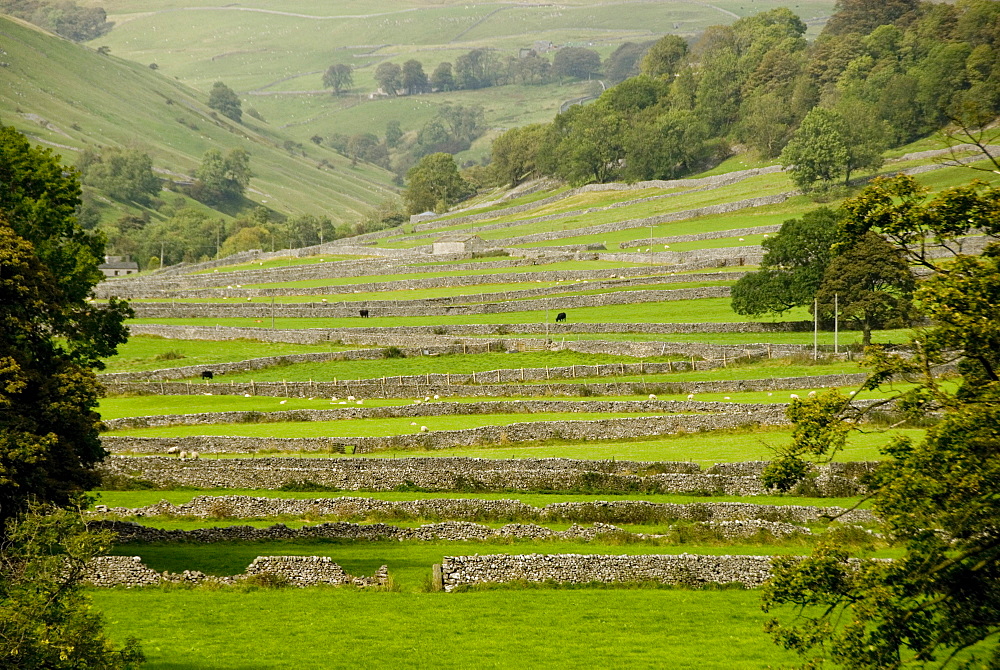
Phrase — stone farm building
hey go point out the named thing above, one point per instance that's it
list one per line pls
(459, 244)
(118, 266)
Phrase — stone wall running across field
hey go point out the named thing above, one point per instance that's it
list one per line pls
(477, 509)
(469, 474)
(683, 569)
(300, 571)
(420, 386)
(452, 531)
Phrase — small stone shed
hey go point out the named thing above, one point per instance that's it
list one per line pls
(459, 244)
(118, 266)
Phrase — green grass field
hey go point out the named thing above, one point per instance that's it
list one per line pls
(151, 352)
(329, 628)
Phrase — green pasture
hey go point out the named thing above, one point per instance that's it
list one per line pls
(66, 85)
(142, 498)
(417, 365)
(748, 188)
(845, 338)
(321, 628)
(701, 310)
(751, 444)
(152, 352)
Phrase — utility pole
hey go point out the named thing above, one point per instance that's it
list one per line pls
(836, 324)
(815, 329)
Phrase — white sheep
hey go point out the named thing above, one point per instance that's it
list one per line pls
(423, 429)
(282, 402)
(350, 397)
(413, 423)
(652, 396)
(246, 395)
(726, 398)
(812, 394)
(437, 397)
(690, 396)
(184, 455)
(194, 455)
(794, 396)
(359, 402)
(173, 450)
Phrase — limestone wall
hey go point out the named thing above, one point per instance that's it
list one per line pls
(475, 509)
(380, 308)
(530, 431)
(683, 569)
(439, 408)
(454, 531)
(456, 474)
(300, 571)
(421, 386)
(377, 335)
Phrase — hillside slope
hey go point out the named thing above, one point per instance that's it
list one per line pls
(68, 97)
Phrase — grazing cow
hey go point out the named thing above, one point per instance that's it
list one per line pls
(364, 313)
(561, 316)
(207, 374)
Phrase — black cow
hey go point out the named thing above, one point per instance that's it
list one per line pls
(561, 316)
(207, 374)
(364, 313)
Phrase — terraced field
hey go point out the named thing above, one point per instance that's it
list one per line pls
(457, 416)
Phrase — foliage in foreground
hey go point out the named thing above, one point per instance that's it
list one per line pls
(938, 499)
(48, 391)
(46, 619)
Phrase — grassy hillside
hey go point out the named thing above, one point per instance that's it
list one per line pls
(250, 48)
(68, 97)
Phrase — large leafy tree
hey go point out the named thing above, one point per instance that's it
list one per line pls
(433, 184)
(225, 101)
(339, 77)
(869, 284)
(51, 337)
(939, 498)
(222, 178)
(793, 266)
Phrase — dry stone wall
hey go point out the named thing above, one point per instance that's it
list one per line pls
(381, 308)
(453, 474)
(420, 386)
(684, 569)
(611, 281)
(531, 431)
(715, 235)
(475, 509)
(432, 409)
(386, 336)
(300, 571)
(452, 531)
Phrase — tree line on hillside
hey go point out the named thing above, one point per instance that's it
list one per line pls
(173, 229)
(61, 17)
(879, 75)
(479, 68)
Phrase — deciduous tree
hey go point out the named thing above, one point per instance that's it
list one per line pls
(52, 338)
(792, 270)
(938, 498)
(433, 184)
(225, 101)
(339, 77)
(46, 618)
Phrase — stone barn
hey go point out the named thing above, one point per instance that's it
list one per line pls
(459, 244)
(118, 266)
